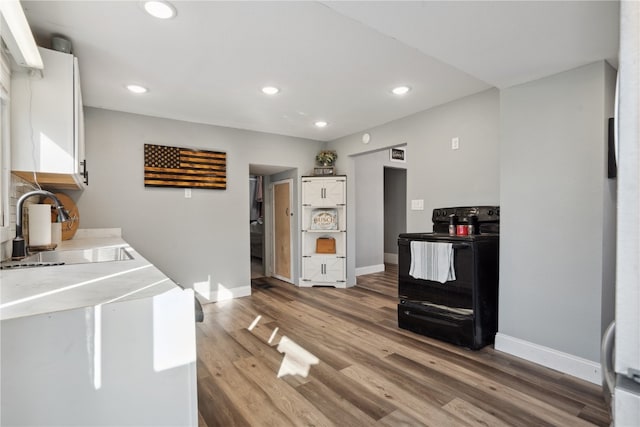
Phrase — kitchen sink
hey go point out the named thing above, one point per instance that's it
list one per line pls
(72, 256)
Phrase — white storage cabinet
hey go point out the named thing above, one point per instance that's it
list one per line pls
(47, 122)
(324, 215)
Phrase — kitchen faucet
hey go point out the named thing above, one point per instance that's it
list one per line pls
(19, 250)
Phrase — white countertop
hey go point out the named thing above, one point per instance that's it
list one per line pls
(40, 290)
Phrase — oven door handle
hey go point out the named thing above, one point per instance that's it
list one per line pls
(461, 245)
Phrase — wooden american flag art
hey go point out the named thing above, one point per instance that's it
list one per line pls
(185, 168)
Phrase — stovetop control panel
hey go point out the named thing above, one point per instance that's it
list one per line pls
(485, 214)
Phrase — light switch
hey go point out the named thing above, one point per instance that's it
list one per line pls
(455, 143)
(187, 193)
(417, 205)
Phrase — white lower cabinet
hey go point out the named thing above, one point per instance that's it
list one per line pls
(121, 363)
(323, 269)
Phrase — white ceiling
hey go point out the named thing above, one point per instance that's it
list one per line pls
(335, 61)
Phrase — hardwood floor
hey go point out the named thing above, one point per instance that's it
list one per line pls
(370, 372)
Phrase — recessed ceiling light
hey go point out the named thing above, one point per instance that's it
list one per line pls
(137, 89)
(401, 90)
(321, 123)
(160, 9)
(270, 90)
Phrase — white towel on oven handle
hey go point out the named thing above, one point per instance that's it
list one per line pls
(432, 261)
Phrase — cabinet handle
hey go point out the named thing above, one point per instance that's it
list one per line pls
(85, 172)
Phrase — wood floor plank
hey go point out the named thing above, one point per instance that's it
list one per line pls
(313, 341)
(472, 369)
(545, 410)
(371, 372)
(218, 349)
(267, 353)
(201, 421)
(215, 408)
(545, 391)
(244, 398)
(472, 414)
(334, 406)
(319, 335)
(415, 405)
(595, 415)
(399, 418)
(243, 316)
(291, 403)
(497, 405)
(354, 392)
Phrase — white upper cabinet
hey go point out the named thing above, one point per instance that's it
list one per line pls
(324, 191)
(47, 129)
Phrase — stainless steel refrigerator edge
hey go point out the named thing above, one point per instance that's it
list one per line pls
(625, 378)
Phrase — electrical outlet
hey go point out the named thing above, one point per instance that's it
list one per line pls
(455, 143)
(417, 205)
(187, 193)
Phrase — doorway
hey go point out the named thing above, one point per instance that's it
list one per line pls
(256, 225)
(395, 211)
(282, 244)
(262, 260)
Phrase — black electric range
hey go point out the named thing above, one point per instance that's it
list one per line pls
(463, 311)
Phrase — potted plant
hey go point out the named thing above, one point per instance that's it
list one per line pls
(326, 157)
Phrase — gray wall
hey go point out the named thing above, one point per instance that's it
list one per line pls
(435, 173)
(395, 207)
(202, 239)
(552, 196)
(369, 207)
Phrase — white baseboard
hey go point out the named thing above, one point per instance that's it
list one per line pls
(554, 359)
(370, 269)
(206, 295)
(391, 259)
